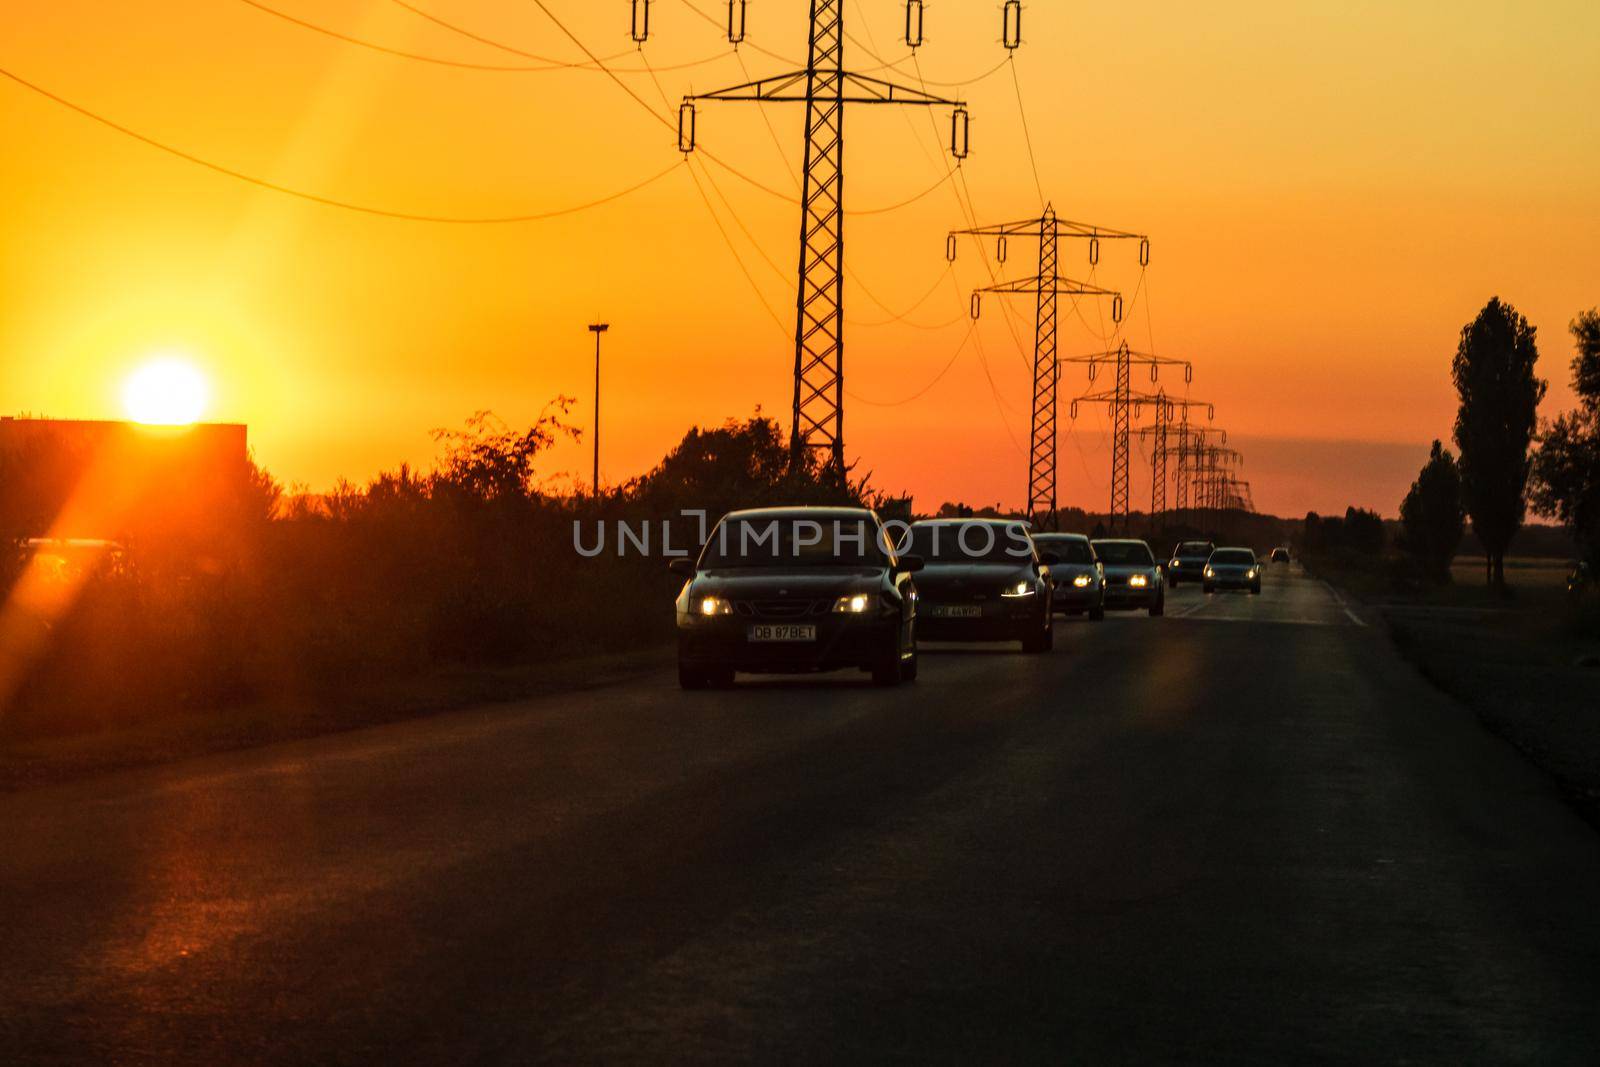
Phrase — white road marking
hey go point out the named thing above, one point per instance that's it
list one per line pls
(1358, 620)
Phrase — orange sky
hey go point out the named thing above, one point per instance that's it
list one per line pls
(1332, 190)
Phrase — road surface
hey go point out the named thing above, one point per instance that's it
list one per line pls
(1246, 831)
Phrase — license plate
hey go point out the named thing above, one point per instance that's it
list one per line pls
(783, 632)
(957, 611)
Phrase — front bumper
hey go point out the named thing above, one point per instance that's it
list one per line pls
(1127, 596)
(1233, 581)
(842, 641)
(1004, 619)
(1072, 598)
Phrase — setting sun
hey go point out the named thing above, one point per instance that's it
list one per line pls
(166, 392)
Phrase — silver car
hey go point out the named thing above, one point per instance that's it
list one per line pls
(1133, 578)
(1079, 583)
(1233, 568)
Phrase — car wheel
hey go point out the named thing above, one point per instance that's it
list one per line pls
(1209, 588)
(908, 669)
(1255, 590)
(1159, 607)
(691, 677)
(1097, 614)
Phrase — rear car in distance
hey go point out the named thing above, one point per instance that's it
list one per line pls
(982, 580)
(1075, 574)
(1280, 555)
(792, 590)
(1233, 568)
(1188, 561)
(1132, 576)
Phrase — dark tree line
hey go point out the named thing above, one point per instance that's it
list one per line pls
(1566, 470)
(1494, 376)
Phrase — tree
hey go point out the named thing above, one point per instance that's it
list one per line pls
(488, 461)
(1431, 516)
(1493, 374)
(1566, 470)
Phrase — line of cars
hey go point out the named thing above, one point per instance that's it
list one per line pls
(790, 590)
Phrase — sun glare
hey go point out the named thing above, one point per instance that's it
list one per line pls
(166, 392)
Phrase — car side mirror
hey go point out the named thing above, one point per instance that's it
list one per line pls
(909, 565)
(682, 565)
(1049, 559)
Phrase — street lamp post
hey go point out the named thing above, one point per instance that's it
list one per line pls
(597, 329)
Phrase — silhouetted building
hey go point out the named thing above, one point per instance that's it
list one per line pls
(81, 478)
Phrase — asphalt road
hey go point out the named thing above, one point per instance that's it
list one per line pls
(1246, 831)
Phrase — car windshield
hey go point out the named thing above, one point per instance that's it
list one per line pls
(1124, 553)
(795, 541)
(1193, 548)
(1233, 556)
(1067, 549)
(970, 542)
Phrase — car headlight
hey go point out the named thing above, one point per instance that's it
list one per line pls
(1175, 564)
(1016, 589)
(1138, 581)
(853, 604)
(713, 605)
(1252, 573)
(1082, 581)
(1210, 573)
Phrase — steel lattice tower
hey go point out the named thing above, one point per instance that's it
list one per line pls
(825, 87)
(1046, 286)
(1170, 441)
(1122, 402)
(819, 316)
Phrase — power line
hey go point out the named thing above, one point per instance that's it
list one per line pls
(1027, 137)
(402, 54)
(317, 198)
(544, 66)
(937, 378)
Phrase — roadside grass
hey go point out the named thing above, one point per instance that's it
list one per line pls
(359, 702)
(1528, 664)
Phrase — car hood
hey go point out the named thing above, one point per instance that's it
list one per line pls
(1058, 571)
(745, 583)
(1124, 569)
(940, 576)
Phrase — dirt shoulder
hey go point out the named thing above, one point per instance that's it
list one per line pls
(31, 762)
(1519, 664)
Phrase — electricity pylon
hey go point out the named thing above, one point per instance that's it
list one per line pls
(1168, 442)
(1215, 469)
(1123, 404)
(1190, 442)
(825, 87)
(1045, 287)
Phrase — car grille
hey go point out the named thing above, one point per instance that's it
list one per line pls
(781, 609)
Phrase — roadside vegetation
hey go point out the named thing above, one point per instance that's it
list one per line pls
(287, 613)
(1495, 612)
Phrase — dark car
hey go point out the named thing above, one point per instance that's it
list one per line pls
(789, 590)
(1075, 574)
(1188, 561)
(1233, 568)
(1280, 555)
(982, 580)
(1132, 576)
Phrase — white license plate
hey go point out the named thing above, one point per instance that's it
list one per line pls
(785, 632)
(957, 611)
